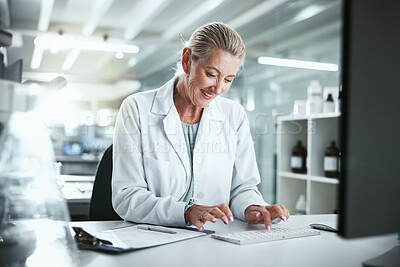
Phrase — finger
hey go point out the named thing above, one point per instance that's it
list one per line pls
(285, 212)
(267, 217)
(253, 216)
(216, 212)
(199, 224)
(225, 209)
(276, 211)
(279, 212)
(255, 211)
(208, 217)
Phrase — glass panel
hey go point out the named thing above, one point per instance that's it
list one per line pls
(307, 30)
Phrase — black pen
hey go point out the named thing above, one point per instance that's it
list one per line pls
(156, 228)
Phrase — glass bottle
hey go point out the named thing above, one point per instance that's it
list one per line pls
(34, 217)
(329, 105)
(331, 161)
(298, 159)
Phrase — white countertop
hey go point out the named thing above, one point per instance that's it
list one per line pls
(327, 249)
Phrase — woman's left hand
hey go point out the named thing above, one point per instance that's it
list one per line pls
(265, 214)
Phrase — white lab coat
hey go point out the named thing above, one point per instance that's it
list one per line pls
(151, 165)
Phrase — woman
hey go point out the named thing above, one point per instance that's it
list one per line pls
(183, 155)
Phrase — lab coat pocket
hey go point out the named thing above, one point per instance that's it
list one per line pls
(158, 176)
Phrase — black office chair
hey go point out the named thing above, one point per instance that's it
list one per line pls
(101, 208)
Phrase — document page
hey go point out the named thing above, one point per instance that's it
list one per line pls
(134, 238)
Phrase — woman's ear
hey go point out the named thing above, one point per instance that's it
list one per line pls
(186, 60)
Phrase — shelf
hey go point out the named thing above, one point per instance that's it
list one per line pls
(326, 115)
(293, 175)
(306, 117)
(316, 133)
(320, 179)
(292, 118)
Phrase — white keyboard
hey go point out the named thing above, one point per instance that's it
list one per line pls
(258, 236)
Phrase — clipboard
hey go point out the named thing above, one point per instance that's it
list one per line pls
(132, 238)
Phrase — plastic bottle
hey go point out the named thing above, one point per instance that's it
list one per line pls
(314, 99)
(329, 105)
(331, 161)
(298, 159)
(301, 205)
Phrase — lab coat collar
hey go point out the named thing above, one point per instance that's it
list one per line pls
(163, 102)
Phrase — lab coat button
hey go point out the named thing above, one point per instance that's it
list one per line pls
(200, 195)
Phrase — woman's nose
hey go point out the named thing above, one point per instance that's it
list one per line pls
(218, 87)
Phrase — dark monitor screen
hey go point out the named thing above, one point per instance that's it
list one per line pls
(369, 200)
(13, 72)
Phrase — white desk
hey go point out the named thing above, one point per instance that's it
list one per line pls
(77, 190)
(328, 249)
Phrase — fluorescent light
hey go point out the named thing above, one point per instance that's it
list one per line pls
(291, 63)
(71, 58)
(309, 12)
(45, 15)
(36, 57)
(143, 13)
(61, 42)
(98, 11)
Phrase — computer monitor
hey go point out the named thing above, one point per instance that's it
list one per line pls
(369, 191)
(13, 72)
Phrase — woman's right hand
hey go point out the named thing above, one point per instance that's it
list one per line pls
(198, 215)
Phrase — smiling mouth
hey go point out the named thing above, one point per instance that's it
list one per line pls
(207, 95)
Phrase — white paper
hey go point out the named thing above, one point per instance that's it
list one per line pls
(132, 237)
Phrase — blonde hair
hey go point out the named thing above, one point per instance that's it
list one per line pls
(215, 35)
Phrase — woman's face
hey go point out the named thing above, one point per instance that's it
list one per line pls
(209, 77)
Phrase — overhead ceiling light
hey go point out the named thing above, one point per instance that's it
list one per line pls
(71, 58)
(61, 42)
(143, 13)
(309, 12)
(98, 10)
(291, 63)
(190, 18)
(45, 15)
(36, 57)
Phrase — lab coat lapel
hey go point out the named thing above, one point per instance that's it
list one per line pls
(174, 132)
(163, 104)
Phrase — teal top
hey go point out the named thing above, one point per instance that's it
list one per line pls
(190, 132)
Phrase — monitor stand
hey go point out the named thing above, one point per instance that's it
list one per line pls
(389, 258)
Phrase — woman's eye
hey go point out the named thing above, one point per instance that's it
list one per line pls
(211, 75)
(228, 81)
